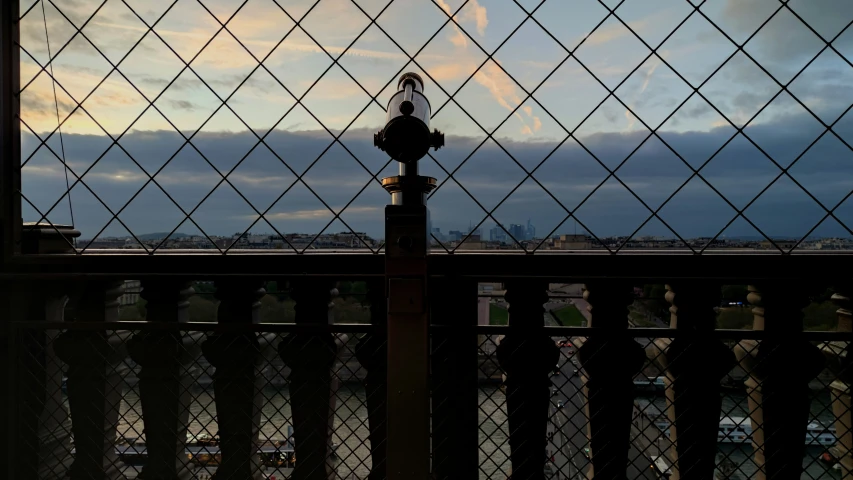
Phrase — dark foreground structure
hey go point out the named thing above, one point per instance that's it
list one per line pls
(112, 367)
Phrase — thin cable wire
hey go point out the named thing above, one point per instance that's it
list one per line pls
(59, 125)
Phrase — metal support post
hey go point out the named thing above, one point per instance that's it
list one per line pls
(10, 129)
(406, 138)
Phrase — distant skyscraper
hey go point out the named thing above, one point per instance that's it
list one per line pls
(531, 230)
(517, 231)
(472, 231)
(497, 234)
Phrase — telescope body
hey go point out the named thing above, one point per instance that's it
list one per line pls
(406, 136)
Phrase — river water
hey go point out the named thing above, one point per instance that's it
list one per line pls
(351, 430)
(740, 456)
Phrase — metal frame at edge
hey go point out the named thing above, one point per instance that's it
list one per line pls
(828, 268)
(10, 130)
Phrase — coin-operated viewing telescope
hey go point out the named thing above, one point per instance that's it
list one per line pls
(407, 138)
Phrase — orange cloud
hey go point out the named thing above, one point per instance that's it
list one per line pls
(476, 12)
(504, 91)
(491, 76)
(318, 213)
(473, 11)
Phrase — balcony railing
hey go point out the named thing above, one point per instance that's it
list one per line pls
(301, 396)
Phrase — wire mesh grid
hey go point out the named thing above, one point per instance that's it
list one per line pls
(78, 29)
(113, 381)
(85, 394)
(651, 449)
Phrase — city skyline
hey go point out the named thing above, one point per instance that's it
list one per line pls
(465, 240)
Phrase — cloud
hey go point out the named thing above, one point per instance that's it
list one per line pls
(504, 91)
(476, 12)
(39, 106)
(654, 63)
(472, 11)
(785, 43)
(196, 38)
(500, 86)
(785, 35)
(739, 172)
(319, 214)
(182, 105)
(491, 76)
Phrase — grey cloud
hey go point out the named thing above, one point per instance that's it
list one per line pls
(42, 105)
(190, 82)
(72, 68)
(785, 36)
(749, 101)
(182, 105)
(738, 172)
(609, 113)
(697, 110)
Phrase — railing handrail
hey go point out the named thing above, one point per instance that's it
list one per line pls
(568, 267)
(213, 327)
(552, 331)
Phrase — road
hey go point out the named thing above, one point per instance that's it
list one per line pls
(570, 440)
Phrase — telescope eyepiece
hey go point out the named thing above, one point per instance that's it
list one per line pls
(412, 78)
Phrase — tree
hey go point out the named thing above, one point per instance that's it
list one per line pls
(735, 318)
(734, 293)
(353, 289)
(654, 299)
(204, 287)
(820, 316)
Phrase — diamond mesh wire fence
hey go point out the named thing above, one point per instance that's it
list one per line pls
(652, 451)
(126, 108)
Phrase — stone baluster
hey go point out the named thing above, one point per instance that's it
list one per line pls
(527, 355)
(43, 422)
(779, 369)
(694, 363)
(338, 369)
(839, 355)
(43, 427)
(238, 379)
(311, 356)
(164, 379)
(455, 399)
(610, 360)
(372, 354)
(95, 382)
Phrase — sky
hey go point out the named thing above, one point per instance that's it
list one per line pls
(504, 105)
